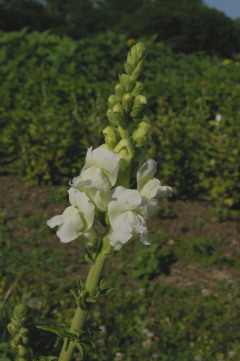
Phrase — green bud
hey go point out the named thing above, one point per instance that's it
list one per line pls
(112, 118)
(138, 89)
(127, 102)
(12, 329)
(140, 49)
(17, 340)
(139, 135)
(23, 331)
(119, 114)
(138, 106)
(125, 150)
(23, 352)
(25, 340)
(128, 68)
(119, 91)
(21, 311)
(112, 100)
(127, 82)
(110, 136)
(137, 71)
(136, 54)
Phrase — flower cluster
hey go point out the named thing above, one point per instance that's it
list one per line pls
(93, 191)
(103, 186)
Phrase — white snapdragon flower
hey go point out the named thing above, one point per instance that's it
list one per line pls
(76, 220)
(150, 188)
(98, 176)
(124, 212)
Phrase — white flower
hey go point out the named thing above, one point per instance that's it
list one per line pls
(76, 220)
(98, 176)
(150, 188)
(125, 217)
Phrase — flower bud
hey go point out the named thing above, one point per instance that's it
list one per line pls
(119, 115)
(21, 311)
(128, 68)
(140, 49)
(138, 89)
(136, 54)
(138, 107)
(137, 71)
(127, 102)
(110, 136)
(139, 135)
(17, 340)
(112, 118)
(112, 100)
(132, 58)
(126, 152)
(127, 82)
(119, 91)
(12, 329)
(23, 352)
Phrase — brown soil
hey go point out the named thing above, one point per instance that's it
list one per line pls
(18, 200)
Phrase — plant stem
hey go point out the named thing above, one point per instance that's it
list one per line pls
(80, 316)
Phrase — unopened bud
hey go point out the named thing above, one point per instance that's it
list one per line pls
(127, 102)
(137, 71)
(140, 49)
(128, 68)
(127, 82)
(136, 54)
(119, 91)
(112, 118)
(110, 136)
(138, 106)
(126, 152)
(112, 100)
(21, 311)
(140, 134)
(12, 329)
(118, 111)
(138, 89)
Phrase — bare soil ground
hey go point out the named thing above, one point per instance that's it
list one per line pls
(18, 200)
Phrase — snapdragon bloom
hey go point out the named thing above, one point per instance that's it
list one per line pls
(150, 188)
(76, 220)
(98, 176)
(124, 212)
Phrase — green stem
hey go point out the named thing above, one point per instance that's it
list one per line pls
(80, 316)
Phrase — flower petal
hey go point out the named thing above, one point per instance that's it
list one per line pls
(55, 221)
(154, 189)
(125, 226)
(123, 200)
(105, 159)
(67, 233)
(95, 185)
(146, 172)
(85, 206)
(148, 208)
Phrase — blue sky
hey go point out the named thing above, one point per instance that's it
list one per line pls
(230, 7)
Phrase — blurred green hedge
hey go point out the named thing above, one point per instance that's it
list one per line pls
(54, 94)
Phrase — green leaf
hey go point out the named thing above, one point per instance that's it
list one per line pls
(54, 330)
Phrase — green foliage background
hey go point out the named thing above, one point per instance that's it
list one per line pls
(54, 94)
